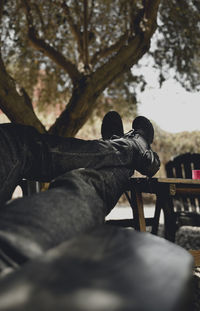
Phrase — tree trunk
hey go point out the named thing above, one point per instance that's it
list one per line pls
(78, 110)
(84, 96)
(16, 107)
(83, 99)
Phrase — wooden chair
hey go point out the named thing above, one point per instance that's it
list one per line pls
(186, 207)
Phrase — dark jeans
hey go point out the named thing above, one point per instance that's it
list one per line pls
(87, 179)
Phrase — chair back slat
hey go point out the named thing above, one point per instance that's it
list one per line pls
(188, 165)
(181, 167)
(196, 166)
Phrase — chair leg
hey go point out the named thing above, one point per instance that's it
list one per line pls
(138, 210)
(156, 217)
(169, 218)
(196, 256)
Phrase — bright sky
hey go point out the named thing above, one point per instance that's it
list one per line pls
(171, 107)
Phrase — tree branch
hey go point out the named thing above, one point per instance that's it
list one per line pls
(74, 28)
(1, 14)
(17, 108)
(83, 98)
(37, 9)
(85, 35)
(109, 50)
(27, 99)
(129, 54)
(1, 9)
(2, 67)
(91, 11)
(150, 13)
(54, 55)
(77, 9)
(40, 45)
(132, 9)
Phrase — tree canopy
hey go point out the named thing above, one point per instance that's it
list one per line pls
(177, 42)
(69, 52)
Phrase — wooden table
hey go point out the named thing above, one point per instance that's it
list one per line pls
(164, 189)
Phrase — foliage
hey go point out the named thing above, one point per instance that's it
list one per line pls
(169, 145)
(108, 20)
(177, 42)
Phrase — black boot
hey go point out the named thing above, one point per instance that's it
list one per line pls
(25, 153)
(142, 134)
(112, 125)
(140, 137)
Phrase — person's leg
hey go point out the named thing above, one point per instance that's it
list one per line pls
(25, 153)
(76, 202)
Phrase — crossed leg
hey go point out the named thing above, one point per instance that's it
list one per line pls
(77, 200)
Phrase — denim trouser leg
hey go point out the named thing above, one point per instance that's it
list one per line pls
(75, 203)
(12, 160)
(24, 153)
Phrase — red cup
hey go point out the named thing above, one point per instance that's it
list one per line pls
(195, 174)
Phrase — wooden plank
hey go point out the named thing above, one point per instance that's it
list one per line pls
(188, 191)
(156, 216)
(196, 256)
(127, 223)
(179, 181)
(139, 202)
